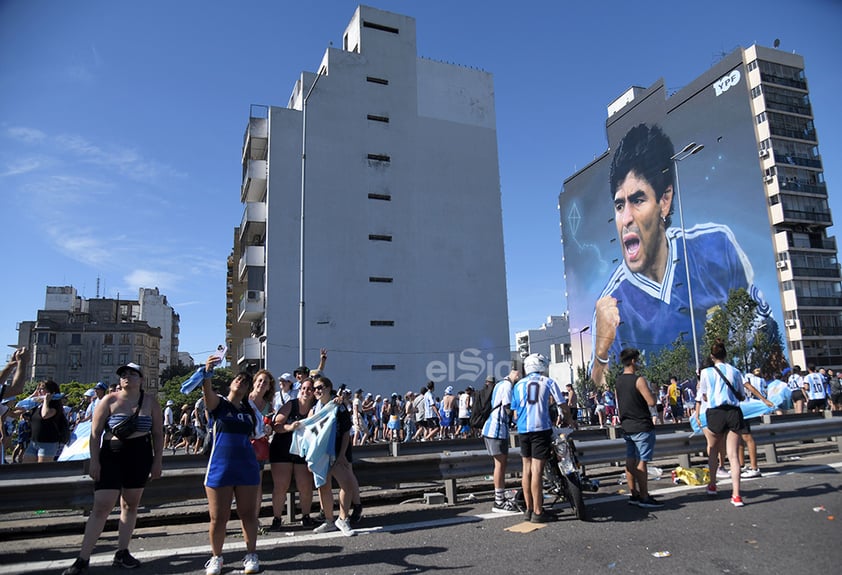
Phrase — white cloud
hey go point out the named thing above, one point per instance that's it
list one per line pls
(21, 166)
(152, 278)
(26, 135)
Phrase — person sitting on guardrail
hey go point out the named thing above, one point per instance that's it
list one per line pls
(233, 470)
(127, 448)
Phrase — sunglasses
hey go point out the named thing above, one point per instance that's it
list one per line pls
(318, 388)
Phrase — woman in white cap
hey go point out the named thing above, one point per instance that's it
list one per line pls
(120, 466)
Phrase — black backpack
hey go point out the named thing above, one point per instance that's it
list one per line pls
(482, 407)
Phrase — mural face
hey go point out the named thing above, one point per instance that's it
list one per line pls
(627, 253)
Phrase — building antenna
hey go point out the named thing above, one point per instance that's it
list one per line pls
(97, 287)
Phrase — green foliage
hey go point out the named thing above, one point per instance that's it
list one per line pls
(675, 360)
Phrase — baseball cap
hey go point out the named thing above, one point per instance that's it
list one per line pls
(101, 385)
(448, 390)
(287, 376)
(132, 366)
(90, 393)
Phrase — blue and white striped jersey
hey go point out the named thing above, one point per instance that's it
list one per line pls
(531, 402)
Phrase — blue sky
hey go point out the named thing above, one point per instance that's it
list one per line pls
(121, 123)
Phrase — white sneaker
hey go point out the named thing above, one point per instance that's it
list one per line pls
(326, 527)
(345, 527)
(723, 473)
(748, 473)
(251, 564)
(214, 565)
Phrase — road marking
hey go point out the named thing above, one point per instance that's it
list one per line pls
(262, 542)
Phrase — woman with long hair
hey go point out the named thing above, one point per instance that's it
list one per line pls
(121, 467)
(233, 470)
(285, 465)
(47, 420)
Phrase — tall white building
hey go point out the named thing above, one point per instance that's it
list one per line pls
(404, 262)
(157, 312)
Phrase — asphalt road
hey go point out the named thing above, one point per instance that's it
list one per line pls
(790, 524)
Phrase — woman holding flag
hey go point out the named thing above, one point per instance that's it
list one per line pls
(340, 468)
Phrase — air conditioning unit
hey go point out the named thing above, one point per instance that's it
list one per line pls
(252, 295)
(769, 179)
(781, 265)
(764, 153)
(790, 323)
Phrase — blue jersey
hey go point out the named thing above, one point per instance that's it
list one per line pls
(654, 314)
(497, 425)
(815, 386)
(232, 460)
(714, 388)
(531, 402)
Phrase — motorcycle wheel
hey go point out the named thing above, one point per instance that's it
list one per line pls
(573, 494)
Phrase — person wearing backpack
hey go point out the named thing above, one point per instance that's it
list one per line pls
(493, 406)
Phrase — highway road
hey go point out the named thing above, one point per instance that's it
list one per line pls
(790, 524)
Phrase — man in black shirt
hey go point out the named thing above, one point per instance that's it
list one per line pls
(634, 398)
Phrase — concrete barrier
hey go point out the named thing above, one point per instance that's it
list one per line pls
(65, 485)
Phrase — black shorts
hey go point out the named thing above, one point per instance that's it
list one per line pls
(726, 418)
(125, 464)
(798, 395)
(279, 450)
(836, 398)
(817, 404)
(536, 444)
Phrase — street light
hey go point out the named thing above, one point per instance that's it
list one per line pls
(582, 349)
(301, 230)
(686, 152)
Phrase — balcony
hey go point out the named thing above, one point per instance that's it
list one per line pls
(829, 301)
(253, 224)
(251, 306)
(252, 256)
(805, 216)
(814, 272)
(248, 350)
(256, 138)
(254, 180)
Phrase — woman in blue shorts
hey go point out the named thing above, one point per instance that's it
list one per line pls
(233, 470)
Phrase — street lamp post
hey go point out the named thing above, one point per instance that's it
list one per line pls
(301, 229)
(686, 152)
(582, 349)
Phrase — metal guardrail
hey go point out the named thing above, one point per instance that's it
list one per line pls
(65, 485)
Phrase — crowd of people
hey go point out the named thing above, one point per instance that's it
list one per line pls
(258, 421)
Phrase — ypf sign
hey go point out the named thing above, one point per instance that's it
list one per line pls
(725, 82)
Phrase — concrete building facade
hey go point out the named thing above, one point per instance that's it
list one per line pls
(403, 259)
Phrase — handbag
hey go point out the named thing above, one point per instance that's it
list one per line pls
(261, 448)
(129, 425)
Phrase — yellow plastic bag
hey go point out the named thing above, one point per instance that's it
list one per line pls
(691, 476)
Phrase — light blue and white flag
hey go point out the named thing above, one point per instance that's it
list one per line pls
(315, 441)
(79, 446)
(750, 408)
(194, 380)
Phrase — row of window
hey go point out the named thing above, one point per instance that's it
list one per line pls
(74, 359)
(107, 339)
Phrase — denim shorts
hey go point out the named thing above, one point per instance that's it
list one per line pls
(640, 446)
(47, 450)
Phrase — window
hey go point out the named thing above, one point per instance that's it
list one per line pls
(139, 359)
(379, 158)
(75, 359)
(382, 323)
(383, 197)
(75, 339)
(138, 339)
(761, 117)
(373, 80)
(124, 358)
(380, 237)
(380, 280)
(752, 65)
(107, 358)
(109, 339)
(756, 91)
(373, 118)
(124, 339)
(381, 27)
(383, 367)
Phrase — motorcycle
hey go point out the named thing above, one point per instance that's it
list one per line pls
(564, 476)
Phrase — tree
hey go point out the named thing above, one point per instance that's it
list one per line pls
(741, 311)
